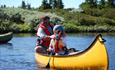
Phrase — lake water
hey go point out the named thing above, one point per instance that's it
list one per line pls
(18, 54)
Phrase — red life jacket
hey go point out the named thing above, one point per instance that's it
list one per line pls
(45, 29)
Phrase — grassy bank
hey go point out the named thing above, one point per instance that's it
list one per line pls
(23, 20)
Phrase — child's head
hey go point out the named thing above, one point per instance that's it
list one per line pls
(58, 29)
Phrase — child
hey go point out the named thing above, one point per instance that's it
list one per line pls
(57, 43)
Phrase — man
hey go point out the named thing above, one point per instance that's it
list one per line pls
(44, 31)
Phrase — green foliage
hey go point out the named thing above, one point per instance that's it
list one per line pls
(109, 13)
(55, 20)
(110, 22)
(24, 27)
(4, 16)
(17, 18)
(5, 26)
(34, 24)
(90, 20)
(84, 6)
(69, 27)
(93, 12)
(87, 22)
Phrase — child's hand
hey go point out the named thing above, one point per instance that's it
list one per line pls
(57, 37)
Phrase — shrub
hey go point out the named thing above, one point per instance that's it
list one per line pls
(24, 27)
(70, 27)
(87, 21)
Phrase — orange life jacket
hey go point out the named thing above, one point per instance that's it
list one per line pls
(58, 45)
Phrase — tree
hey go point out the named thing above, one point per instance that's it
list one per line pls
(50, 2)
(44, 4)
(111, 3)
(54, 3)
(60, 4)
(93, 3)
(4, 6)
(102, 4)
(89, 4)
(23, 5)
(28, 6)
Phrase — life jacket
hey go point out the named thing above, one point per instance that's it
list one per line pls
(57, 45)
(43, 41)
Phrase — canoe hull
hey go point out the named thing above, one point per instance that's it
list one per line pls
(4, 38)
(93, 58)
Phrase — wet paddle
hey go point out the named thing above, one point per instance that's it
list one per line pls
(56, 46)
(48, 65)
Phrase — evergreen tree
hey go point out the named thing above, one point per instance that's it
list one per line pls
(28, 6)
(23, 5)
(93, 3)
(44, 4)
(54, 3)
(102, 3)
(111, 3)
(4, 6)
(60, 4)
(50, 2)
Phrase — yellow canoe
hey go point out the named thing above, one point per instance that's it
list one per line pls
(95, 57)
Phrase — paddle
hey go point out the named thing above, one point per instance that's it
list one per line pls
(56, 46)
(48, 65)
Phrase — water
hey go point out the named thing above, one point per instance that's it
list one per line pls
(18, 54)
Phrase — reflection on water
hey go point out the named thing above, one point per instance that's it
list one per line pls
(18, 54)
(24, 35)
(7, 45)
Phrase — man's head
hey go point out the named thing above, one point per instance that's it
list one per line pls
(45, 19)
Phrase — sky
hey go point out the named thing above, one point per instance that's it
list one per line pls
(37, 3)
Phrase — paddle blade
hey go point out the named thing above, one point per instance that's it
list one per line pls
(48, 65)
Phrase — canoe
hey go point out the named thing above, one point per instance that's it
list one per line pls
(95, 57)
(4, 38)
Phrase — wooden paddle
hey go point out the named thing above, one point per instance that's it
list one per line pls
(48, 65)
(56, 46)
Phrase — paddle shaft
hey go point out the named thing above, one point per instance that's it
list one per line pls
(48, 65)
(56, 46)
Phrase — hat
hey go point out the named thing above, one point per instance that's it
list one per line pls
(58, 27)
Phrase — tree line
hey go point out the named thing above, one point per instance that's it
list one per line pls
(98, 4)
(46, 4)
(52, 4)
